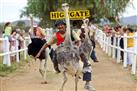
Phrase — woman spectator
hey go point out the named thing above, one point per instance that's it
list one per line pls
(13, 45)
(7, 30)
(107, 30)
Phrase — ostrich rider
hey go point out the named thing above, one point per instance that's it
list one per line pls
(58, 39)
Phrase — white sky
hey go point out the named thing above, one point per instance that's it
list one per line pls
(131, 10)
(10, 9)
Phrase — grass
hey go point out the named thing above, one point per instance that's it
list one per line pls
(5, 70)
(0, 60)
(134, 77)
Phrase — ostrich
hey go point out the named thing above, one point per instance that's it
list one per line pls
(86, 45)
(85, 50)
(37, 41)
(68, 55)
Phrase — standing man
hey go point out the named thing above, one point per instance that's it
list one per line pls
(92, 29)
(58, 39)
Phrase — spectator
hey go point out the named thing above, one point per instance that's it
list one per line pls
(7, 30)
(92, 29)
(13, 45)
(121, 44)
(20, 38)
(107, 29)
(117, 34)
(130, 46)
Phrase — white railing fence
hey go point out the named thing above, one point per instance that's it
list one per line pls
(113, 49)
(5, 46)
(6, 53)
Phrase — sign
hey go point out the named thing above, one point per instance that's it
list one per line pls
(75, 15)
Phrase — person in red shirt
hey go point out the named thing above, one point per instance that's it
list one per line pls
(58, 39)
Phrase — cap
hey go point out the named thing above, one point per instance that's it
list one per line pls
(59, 22)
(35, 25)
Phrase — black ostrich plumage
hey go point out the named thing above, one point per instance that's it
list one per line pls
(35, 46)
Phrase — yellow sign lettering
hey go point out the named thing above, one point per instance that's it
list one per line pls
(80, 14)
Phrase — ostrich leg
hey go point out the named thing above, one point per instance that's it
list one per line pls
(76, 81)
(65, 80)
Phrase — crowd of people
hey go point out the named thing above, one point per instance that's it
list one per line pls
(119, 31)
(15, 38)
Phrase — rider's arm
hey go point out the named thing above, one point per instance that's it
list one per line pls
(76, 37)
(50, 43)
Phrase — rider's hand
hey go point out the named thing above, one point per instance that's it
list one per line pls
(37, 55)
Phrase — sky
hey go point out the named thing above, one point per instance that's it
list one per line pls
(10, 9)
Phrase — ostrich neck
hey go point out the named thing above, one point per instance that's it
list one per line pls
(68, 41)
(87, 31)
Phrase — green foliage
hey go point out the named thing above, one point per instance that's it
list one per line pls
(27, 29)
(1, 27)
(109, 9)
(21, 24)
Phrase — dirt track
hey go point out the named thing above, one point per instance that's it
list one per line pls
(107, 76)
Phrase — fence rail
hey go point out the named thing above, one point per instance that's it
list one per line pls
(6, 53)
(113, 49)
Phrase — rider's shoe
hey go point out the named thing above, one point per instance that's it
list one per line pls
(89, 87)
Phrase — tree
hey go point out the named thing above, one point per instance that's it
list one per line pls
(40, 9)
(21, 24)
(109, 9)
(1, 28)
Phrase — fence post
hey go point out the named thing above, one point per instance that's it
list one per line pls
(6, 47)
(104, 40)
(133, 70)
(17, 53)
(118, 50)
(125, 49)
(101, 36)
(25, 51)
(109, 43)
(96, 35)
(114, 50)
